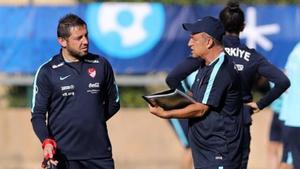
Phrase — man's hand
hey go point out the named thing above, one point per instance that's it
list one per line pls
(49, 150)
(158, 111)
(254, 107)
(47, 164)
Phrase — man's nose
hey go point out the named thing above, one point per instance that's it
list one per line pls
(190, 43)
(85, 40)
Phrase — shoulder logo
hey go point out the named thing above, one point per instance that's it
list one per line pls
(64, 77)
(58, 65)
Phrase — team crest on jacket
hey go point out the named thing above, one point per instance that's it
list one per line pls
(92, 72)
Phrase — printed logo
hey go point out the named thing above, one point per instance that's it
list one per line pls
(94, 88)
(239, 67)
(70, 87)
(68, 90)
(63, 78)
(91, 61)
(237, 52)
(132, 29)
(218, 157)
(94, 85)
(92, 72)
(58, 65)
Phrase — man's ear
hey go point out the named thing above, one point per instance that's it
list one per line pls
(210, 43)
(62, 42)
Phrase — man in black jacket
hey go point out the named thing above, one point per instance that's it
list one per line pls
(216, 120)
(74, 95)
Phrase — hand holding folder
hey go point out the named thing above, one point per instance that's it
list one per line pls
(169, 99)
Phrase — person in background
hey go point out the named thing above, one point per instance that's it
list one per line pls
(250, 65)
(275, 147)
(290, 111)
(74, 95)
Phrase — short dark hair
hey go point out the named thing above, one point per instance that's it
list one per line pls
(232, 17)
(66, 23)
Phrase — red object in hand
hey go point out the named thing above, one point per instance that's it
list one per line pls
(53, 143)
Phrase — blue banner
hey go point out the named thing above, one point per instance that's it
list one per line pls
(137, 38)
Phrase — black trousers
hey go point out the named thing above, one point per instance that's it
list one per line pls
(97, 163)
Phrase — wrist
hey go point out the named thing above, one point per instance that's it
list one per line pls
(168, 115)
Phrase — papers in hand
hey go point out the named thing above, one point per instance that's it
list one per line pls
(169, 99)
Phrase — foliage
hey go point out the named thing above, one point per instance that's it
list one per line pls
(20, 96)
(132, 96)
(17, 96)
